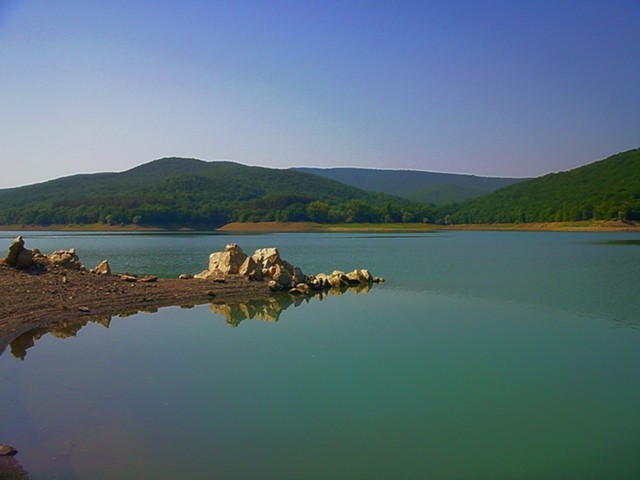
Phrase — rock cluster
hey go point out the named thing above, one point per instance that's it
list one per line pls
(66, 259)
(266, 264)
(23, 258)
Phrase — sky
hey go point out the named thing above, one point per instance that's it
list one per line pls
(492, 88)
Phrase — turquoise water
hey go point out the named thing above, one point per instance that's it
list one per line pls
(484, 355)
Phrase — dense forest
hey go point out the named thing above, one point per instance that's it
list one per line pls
(179, 192)
(424, 187)
(174, 192)
(605, 190)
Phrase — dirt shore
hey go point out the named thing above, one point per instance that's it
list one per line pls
(311, 227)
(36, 298)
(587, 226)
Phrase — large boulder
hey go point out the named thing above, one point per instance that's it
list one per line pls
(25, 258)
(267, 257)
(281, 276)
(251, 269)
(14, 251)
(65, 258)
(359, 276)
(338, 279)
(227, 262)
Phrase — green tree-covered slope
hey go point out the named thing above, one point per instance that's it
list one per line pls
(607, 189)
(190, 192)
(418, 186)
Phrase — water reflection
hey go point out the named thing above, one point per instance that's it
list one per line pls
(619, 242)
(267, 309)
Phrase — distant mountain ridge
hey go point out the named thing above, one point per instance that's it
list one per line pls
(604, 190)
(185, 191)
(415, 185)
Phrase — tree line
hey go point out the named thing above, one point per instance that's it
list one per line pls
(282, 208)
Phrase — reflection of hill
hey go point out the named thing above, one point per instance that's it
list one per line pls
(266, 309)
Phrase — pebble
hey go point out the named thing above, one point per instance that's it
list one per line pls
(7, 451)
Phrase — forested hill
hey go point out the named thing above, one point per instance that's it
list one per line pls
(607, 189)
(190, 192)
(419, 186)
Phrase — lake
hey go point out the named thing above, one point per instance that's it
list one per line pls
(484, 355)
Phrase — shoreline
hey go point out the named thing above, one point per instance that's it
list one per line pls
(39, 291)
(31, 300)
(311, 227)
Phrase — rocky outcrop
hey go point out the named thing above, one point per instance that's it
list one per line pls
(18, 256)
(227, 262)
(23, 258)
(66, 259)
(267, 264)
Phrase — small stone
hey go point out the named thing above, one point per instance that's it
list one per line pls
(84, 309)
(211, 293)
(7, 451)
(102, 268)
(185, 276)
(148, 278)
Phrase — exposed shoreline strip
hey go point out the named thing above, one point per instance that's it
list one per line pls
(310, 227)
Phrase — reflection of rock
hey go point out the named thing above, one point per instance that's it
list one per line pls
(62, 329)
(266, 309)
(269, 309)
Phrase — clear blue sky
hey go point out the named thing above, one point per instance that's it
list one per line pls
(499, 88)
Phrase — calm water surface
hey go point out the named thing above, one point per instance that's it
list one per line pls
(484, 355)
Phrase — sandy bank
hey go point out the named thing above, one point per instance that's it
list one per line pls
(311, 227)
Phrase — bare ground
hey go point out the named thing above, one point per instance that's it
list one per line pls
(42, 296)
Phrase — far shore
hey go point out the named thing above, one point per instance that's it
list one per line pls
(311, 227)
